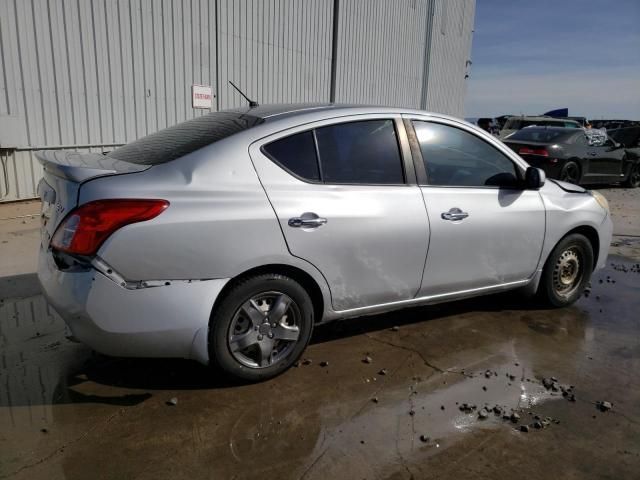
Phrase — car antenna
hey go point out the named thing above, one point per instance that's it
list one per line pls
(252, 103)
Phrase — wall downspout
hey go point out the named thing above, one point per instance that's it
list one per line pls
(431, 10)
(334, 51)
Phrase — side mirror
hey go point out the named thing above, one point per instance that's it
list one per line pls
(534, 178)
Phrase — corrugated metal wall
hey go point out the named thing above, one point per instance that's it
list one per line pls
(92, 74)
(449, 53)
(381, 51)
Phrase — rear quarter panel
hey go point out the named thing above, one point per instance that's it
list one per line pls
(219, 222)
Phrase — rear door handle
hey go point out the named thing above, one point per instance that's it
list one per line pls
(454, 214)
(307, 220)
(593, 154)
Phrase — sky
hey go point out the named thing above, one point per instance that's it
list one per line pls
(531, 56)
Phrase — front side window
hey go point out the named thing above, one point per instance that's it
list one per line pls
(363, 152)
(454, 157)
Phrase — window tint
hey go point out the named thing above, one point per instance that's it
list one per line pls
(297, 154)
(363, 152)
(453, 157)
(540, 135)
(183, 138)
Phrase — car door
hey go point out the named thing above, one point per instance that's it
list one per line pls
(485, 229)
(340, 192)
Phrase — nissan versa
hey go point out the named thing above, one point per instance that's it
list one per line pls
(226, 238)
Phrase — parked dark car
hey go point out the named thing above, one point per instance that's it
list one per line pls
(614, 124)
(629, 137)
(576, 156)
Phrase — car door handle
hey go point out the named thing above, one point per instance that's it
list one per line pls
(593, 154)
(307, 220)
(454, 214)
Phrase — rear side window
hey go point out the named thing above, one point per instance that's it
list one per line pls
(183, 138)
(364, 152)
(453, 157)
(297, 154)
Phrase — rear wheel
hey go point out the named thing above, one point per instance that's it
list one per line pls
(570, 172)
(633, 180)
(261, 327)
(567, 271)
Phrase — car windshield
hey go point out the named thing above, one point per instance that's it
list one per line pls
(533, 134)
(183, 138)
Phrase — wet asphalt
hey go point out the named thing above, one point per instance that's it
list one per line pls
(66, 412)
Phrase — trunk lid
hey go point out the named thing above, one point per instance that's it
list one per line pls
(64, 173)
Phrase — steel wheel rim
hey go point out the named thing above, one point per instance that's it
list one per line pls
(567, 272)
(571, 174)
(264, 329)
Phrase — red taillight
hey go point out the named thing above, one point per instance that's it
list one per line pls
(85, 228)
(533, 151)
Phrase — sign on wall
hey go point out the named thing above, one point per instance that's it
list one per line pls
(201, 96)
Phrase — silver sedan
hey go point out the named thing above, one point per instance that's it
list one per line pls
(228, 237)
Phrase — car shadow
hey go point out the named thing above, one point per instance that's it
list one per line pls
(177, 374)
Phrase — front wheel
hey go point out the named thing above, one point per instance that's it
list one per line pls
(570, 172)
(567, 271)
(261, 327)
(633, 180)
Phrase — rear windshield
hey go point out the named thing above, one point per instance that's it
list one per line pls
(533, 134)
(183, 138)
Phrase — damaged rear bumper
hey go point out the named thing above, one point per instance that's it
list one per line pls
(168, 320)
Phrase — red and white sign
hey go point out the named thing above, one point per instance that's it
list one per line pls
(201, 96)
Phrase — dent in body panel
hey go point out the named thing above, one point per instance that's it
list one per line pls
(498, 243)
(372, 248)
(566, 211)
(218, 218)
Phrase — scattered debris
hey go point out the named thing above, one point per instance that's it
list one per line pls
(514, 417)
(367, 359)
(604, 406)
(467, 408)
(424, 438)
(374, 399)
(484, 388)
(307, 361)
(441, 407)
(44, 430)
(412, 412)
(172, 402)
(382, 372)
(395, 328)
(483, 414)
(524, 428)
(324, 363)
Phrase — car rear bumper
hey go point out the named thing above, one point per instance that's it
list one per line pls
(165, 321)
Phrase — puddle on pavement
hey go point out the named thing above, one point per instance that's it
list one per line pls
(40, 371)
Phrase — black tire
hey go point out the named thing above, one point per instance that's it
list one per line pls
(570, 172)
(633, 180)
(557, 288)
(236, 309)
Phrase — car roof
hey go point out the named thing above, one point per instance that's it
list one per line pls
(542, 117)
(272, 112)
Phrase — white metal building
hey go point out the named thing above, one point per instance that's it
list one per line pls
(93, 74)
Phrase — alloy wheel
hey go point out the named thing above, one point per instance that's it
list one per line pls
(264, 329)
(571, 173)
